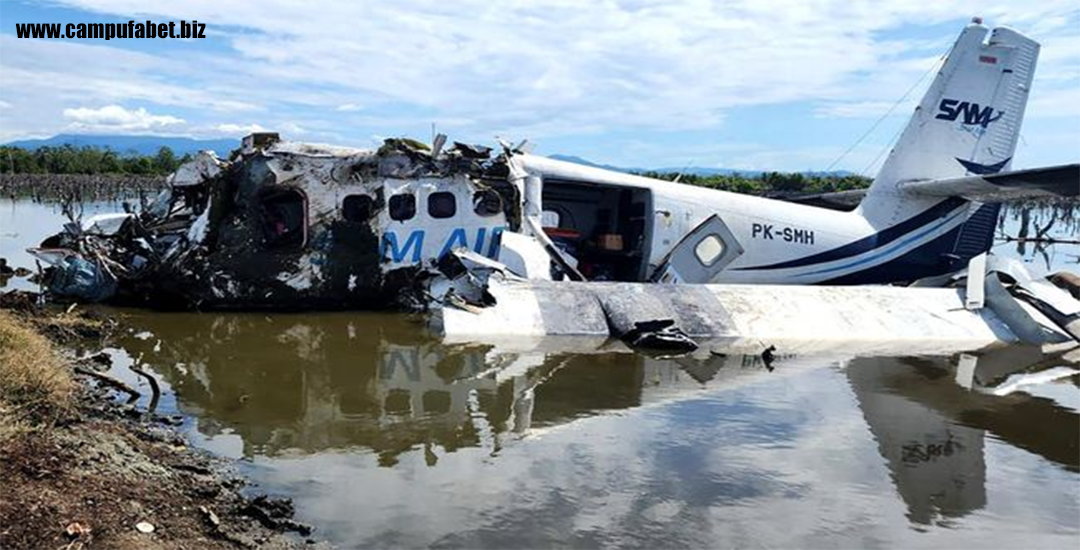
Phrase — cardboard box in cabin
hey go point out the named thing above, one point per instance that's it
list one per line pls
(610, 241)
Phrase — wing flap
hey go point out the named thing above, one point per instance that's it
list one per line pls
(1052, 181)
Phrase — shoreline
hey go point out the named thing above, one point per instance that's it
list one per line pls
(82, 470)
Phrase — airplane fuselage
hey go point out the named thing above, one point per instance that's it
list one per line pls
(781, 242)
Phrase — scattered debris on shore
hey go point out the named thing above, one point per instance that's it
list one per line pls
(83, 470)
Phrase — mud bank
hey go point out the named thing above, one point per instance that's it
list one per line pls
(86, 471)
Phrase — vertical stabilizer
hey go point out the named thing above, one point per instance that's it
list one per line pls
(967, 123)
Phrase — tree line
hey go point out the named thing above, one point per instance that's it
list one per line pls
(771, 183)
(69, 159)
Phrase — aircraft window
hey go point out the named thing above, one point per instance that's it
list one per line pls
(402, 207)
(441, 205)
(487, 203)
(398, 402)
(283, 218)
(357, 208)
(436, 402)
(709, 250)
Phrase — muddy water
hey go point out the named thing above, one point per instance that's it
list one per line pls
(386, 438)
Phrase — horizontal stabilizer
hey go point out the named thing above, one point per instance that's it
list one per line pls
(844, 201)
(1061, 181)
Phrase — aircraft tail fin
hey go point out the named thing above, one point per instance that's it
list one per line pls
(967, 124)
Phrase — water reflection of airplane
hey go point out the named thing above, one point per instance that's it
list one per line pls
(306, 383)
(932, 430)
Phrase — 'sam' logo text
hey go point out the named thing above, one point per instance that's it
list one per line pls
(973, 113)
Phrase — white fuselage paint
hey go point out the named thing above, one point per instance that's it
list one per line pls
(770, 231)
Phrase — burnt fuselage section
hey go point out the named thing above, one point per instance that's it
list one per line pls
(289, 226)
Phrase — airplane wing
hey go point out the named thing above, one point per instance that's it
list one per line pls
(1061, 181)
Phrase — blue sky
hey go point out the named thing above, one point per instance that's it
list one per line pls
(741, 84)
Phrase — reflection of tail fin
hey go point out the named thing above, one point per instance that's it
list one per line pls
(937, 465)
(967, 123)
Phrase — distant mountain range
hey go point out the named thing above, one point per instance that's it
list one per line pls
(149, 145)
(140, 145)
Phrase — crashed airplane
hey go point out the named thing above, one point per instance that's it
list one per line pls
(288, 226)
(284, 225)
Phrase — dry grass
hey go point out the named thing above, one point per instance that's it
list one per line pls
(36, 387)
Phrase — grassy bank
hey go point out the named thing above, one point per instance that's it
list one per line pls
(36, 387)
(80, 470)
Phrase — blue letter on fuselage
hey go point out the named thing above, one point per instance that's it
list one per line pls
(390, 244)
(456, 239)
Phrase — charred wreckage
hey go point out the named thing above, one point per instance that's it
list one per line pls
(287, 226)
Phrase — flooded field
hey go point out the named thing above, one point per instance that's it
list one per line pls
(386, 438)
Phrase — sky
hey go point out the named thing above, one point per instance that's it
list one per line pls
(745, 84)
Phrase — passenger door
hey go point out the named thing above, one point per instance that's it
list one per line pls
(701, 255)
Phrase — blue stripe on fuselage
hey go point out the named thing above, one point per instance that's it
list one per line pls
(926, 260)
(918, 235)
(871, 242)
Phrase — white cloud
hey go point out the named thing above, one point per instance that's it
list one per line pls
(567, 64)
(292, 128)
(65, 72)
(117, 118)
(542, 70)
(231, 129)
(864, 109)
(236, 130)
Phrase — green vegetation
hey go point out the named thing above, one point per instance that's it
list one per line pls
(772, 183)
(69, 159)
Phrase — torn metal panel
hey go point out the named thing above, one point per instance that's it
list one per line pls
(643, 319)
(105, 225)
(1028, 305)
(205, 166)
(84, 279)
(296, 226)
(525, 257)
